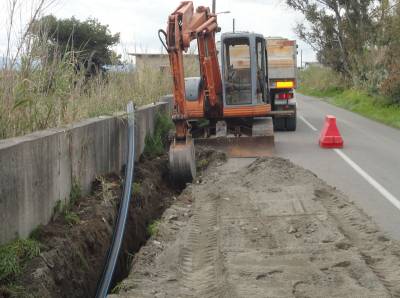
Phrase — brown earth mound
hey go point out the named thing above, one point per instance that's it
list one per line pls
(264, 228)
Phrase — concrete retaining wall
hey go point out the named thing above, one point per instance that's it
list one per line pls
(38, 170)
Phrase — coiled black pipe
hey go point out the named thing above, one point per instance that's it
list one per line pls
(119, 229)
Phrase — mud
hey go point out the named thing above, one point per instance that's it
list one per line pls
(73, 254)
(264, 228)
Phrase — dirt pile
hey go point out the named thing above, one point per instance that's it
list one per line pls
(75, 243)
(264, 228)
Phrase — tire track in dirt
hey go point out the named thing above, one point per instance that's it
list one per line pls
(377, 250)
(200, 253)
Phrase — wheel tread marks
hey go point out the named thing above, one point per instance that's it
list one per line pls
(200, 254)
(355, 225)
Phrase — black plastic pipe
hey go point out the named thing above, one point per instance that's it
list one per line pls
(119, 229)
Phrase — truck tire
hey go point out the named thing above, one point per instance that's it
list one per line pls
(279, 123)
(291, 123)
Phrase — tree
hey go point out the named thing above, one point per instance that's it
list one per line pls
(391, 84)
(340, 31)
(89, 42)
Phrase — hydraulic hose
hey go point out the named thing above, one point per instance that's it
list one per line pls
(164, 43)
(119, 229)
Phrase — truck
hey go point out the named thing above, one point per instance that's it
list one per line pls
(282, 81)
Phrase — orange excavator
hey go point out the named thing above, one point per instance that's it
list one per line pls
(231, 95)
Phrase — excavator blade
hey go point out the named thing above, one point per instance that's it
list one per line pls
(182, 161)
(260, 142)
(241, 146)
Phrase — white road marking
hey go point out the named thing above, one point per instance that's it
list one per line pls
(308, 123)
(375, 184)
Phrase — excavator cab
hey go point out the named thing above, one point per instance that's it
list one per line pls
(243, 65)
(245, 130)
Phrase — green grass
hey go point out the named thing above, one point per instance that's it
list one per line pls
(330, 92)
(202, 164)
(71, 218)
(136, 188)
(35, 234)
(152, 229)
(118, 288)
(65, 209)
(12, 290)
(76, 192)
(13, 257)
(83, 262)
(320, 81)
(155, 144)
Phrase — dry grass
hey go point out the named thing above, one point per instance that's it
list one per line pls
(40, 87)
(54, 94)
(44, 98)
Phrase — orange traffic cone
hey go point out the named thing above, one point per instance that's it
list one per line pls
(330, 136)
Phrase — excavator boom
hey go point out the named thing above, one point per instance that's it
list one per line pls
(185, 25)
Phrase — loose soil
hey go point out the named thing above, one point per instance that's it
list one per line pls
(264, 228)
(73, 253)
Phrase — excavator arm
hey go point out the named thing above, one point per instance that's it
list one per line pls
(184, 25)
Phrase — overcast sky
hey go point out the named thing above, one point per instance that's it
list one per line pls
(139, 20)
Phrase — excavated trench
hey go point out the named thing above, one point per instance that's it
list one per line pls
(73, 251)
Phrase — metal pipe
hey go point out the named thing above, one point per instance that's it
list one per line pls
(301, 59)
(119, 229)
(214, 4)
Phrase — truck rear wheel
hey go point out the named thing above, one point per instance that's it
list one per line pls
(279, 123)
(291, 123)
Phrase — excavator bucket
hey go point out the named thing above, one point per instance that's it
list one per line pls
(182, 161)
(259, 142)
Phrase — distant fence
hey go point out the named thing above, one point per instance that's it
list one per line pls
(39, 169)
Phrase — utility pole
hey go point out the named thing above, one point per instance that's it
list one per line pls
(214, 4)
(301, 59)
(233, 25)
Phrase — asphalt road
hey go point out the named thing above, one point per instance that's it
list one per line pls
(367, 169)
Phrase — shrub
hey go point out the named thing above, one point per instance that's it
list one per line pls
(136, 188)
(320, 81)
(391, 85)
(155, 144)
(152, 229)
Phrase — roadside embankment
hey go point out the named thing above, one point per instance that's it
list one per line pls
(39, 170)
(325, 84)
(361, 103)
